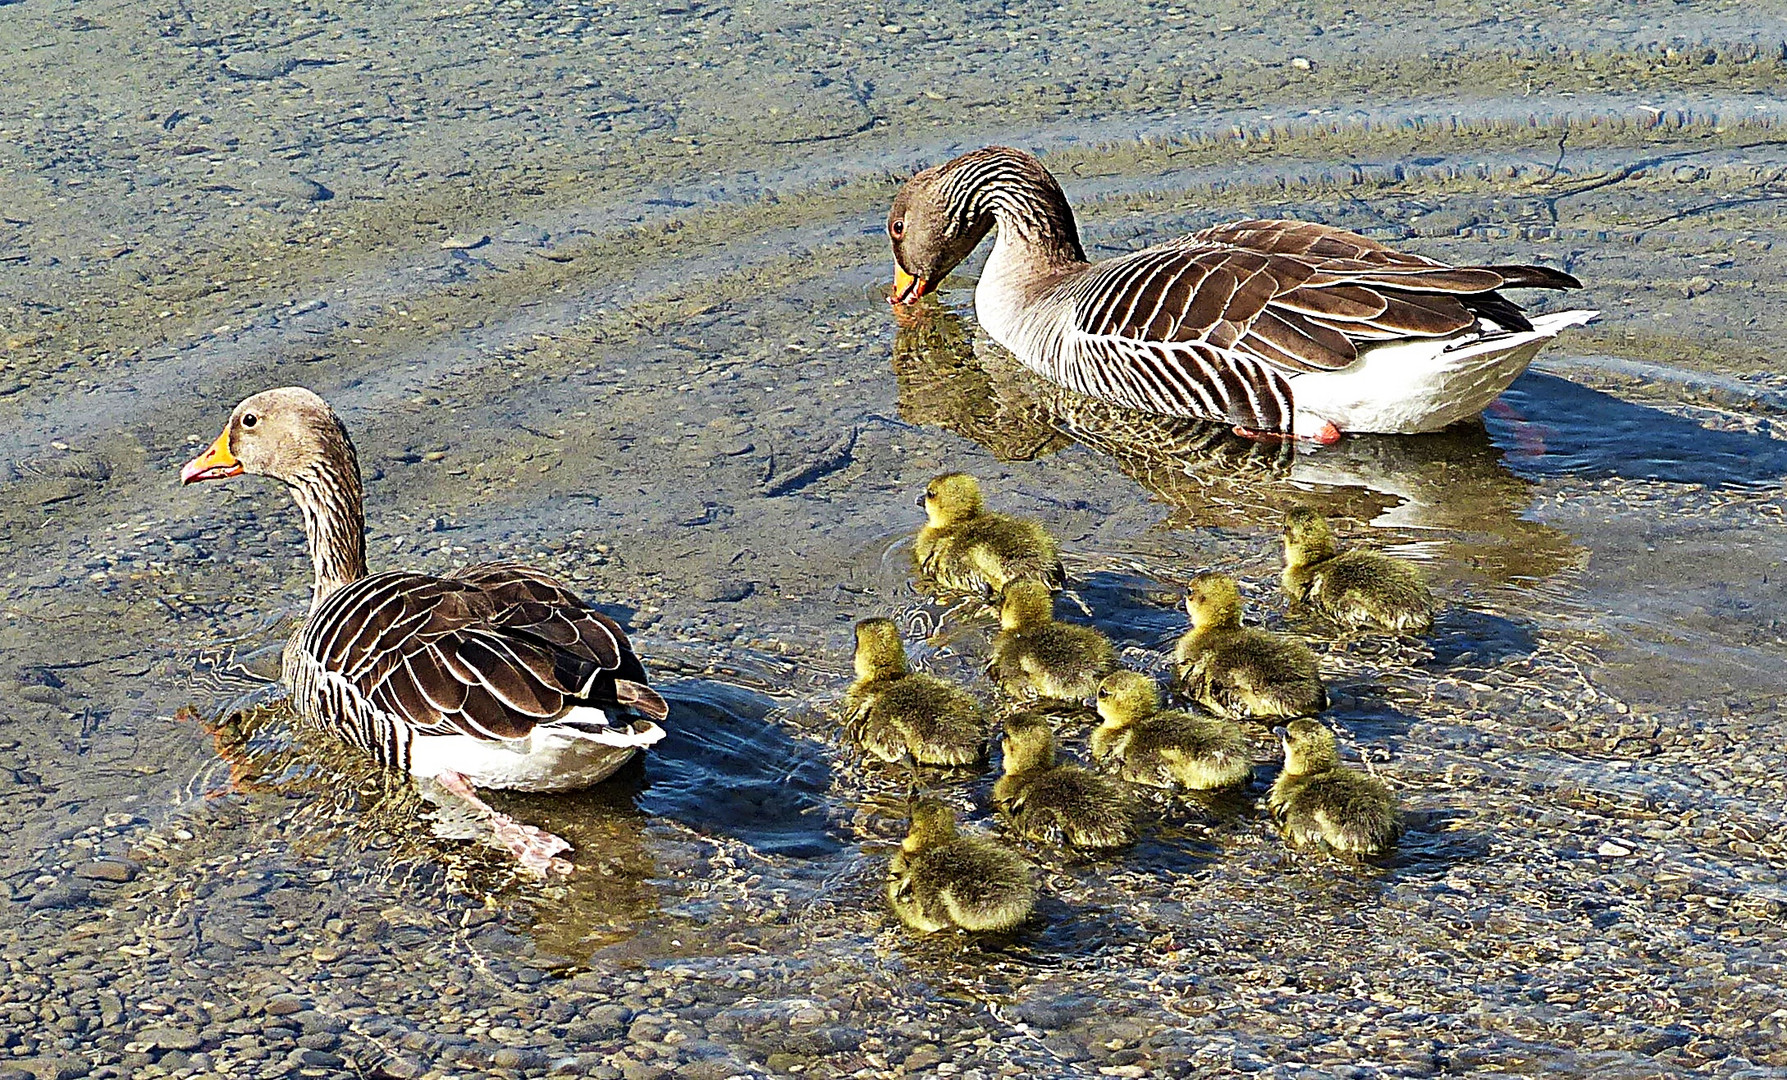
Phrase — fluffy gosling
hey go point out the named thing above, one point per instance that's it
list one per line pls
(940, 878)
(1357, 588)
(966, 548)
(1051, 803)
(1166, 749)
(1323, 805)
(896, 712)
(1035, 655)
(1242, 672)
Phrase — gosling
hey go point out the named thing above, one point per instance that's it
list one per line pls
(1323, 805)
(1242, 672)
(940, 878)
(965, 548)
(1051, 803)
(1166, 749)
(1035, 655)
(1357, 588)
(896, 712)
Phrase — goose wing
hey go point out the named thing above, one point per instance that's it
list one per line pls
(490, 652)
(1218, 323)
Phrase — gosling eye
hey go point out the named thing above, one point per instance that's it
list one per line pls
(896, 228)
(249, 420)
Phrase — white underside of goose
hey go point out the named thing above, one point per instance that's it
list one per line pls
(1408, 387)
(552, 757)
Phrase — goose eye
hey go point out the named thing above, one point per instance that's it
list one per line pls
(249, 420)
(896, 228)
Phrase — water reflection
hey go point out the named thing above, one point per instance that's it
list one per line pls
(1551, 426)
(1454, 481)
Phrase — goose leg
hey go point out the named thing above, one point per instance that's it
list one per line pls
(535, 849)
(1327, 436)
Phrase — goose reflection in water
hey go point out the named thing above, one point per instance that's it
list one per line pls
(1454, 481)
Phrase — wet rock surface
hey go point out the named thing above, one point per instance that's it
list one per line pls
(585, 303)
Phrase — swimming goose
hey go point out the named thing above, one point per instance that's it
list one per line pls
(1035, 655)
(1166, 749)
(1320, 803)
(896, 712)
(1052, 803)
(1242, 672)
(495, 675)
(1272, 326)
(1356, 588)
(965, 547)
(941, 878)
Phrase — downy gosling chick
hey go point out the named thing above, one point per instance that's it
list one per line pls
(896, 712)
(965, 548)
(1166, 749)
(1034, 654)
(940, 878)
(1051, 803)
(1321, 804)
(1242, 672)
(1356, 588)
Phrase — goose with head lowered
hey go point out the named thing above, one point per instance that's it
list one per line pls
(494, 675)
(1277, 327)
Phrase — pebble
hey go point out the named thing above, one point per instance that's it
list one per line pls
(464, 243)
(1613, 850)
(63, 894)
(294, 187)
(257, 67)
(1443, 223)
(170, 1038)
(284, 1005)
(119, 870)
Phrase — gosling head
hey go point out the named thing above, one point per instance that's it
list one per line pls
(879, 652)
(1307, 536)
(1125, 697)
(288, 434)
(950, 498)
(933, 822)
(1028, 743)
(1026, 605)
(1308, 747)
(1213, 601)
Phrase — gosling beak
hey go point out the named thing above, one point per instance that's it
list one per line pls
(907, 289)
(214, 464)
(920, 501)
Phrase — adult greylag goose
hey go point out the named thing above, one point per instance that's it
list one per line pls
(495, 675)
(1285, 327)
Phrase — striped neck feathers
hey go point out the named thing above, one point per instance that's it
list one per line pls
(1023, 200)
(327, 492)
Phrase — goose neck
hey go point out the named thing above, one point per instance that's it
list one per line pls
(328, 495)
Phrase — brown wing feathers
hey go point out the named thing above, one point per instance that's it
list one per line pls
(490, 651)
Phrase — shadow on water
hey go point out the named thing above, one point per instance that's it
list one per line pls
(1455, 480)
(726, 768)
(1549, 425)
(1131, 609)
(1464, 635)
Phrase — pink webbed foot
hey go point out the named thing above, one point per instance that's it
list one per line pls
(535, 849)
(1326, 435)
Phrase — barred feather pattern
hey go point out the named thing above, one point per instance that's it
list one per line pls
(491, 651)
(1217, 325)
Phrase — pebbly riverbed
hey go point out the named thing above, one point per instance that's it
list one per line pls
(600, 286)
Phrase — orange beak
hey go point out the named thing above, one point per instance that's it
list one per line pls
(907, 289)
(214, 464)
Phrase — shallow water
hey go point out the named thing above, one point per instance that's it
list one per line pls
(664, 370)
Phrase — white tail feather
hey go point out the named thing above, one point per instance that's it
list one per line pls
(1405, 387)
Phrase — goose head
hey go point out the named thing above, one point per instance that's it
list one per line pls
(288, 434)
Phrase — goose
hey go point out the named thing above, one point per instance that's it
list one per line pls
(1051, 803)
(1166, 749)
(1035, 655)
(965, 547)
(1356, 588)
(495, 675)
(1276, 327)
(896, 712)
(942, 878)
(1323, 805)
(1242, 672)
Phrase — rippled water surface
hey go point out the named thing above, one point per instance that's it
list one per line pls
(600, 287)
